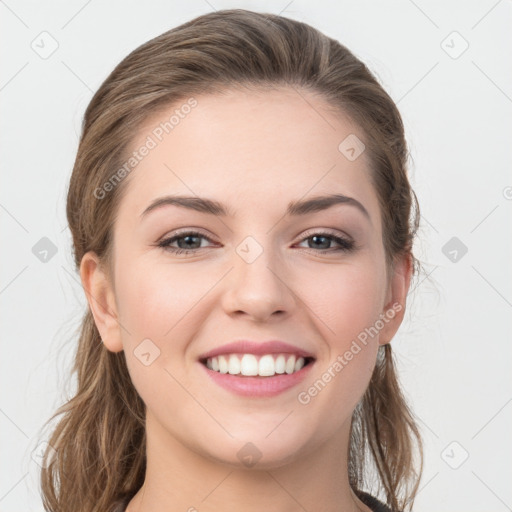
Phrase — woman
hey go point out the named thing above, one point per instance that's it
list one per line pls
(243, 223)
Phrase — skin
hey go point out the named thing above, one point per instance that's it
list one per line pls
(255, 152)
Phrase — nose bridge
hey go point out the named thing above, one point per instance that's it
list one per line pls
(257, 285)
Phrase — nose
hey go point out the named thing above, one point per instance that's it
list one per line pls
(259, 290)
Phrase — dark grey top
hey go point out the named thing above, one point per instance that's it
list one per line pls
(367, 499)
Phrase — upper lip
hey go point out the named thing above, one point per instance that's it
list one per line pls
(256, 348)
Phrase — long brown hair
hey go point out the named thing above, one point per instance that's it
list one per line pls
(99, 440)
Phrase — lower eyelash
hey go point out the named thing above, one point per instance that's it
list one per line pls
(345, 245)
(165, 244)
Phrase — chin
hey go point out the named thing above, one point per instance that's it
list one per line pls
(259, 454)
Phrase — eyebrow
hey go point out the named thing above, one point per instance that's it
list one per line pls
(295, 208)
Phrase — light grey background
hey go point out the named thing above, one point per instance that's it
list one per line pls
(454, 349)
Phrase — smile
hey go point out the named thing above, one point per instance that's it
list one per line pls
(266, 365)
(255, 376)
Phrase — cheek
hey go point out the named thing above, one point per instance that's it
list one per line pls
(155, 307)
(154, 299)
(162, 309)
(348, 308)
(349, 300)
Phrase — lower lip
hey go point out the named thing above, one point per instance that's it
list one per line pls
(258, 386)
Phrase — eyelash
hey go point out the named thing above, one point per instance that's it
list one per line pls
(346, 245)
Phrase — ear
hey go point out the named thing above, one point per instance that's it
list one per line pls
(101, 298)
(394, 309)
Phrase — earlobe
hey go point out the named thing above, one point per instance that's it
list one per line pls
(394, 310)
(101, 299)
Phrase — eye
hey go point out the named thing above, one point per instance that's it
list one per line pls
(190, 242)
(321, 239)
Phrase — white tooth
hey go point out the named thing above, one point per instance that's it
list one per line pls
(249, 365)
(266, 366)
(290, 364)
(280, 364)
(234, 365)
(223, 364)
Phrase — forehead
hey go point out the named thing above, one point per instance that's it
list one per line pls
(246, 149)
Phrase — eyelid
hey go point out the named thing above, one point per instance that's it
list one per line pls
(345, 243)
(303, 235)
(327, 231)
(186, 231)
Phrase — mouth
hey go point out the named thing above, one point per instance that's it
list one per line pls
(253, 365)
(257, 376)
(257, 369)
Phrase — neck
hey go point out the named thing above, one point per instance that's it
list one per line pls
(178, 478)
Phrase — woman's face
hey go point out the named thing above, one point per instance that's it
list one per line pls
(253, 273)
